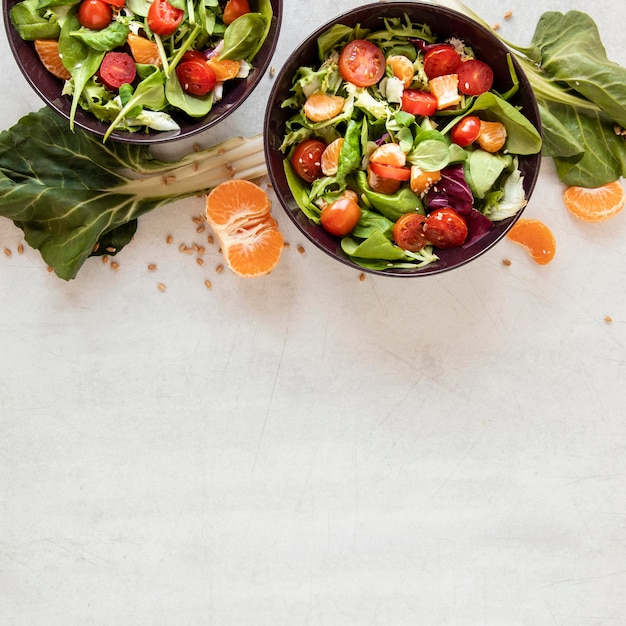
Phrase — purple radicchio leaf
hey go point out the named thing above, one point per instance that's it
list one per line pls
(452, 190)
(478, 225)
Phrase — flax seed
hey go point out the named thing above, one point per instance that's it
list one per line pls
(115, 266)
(208, 284)
(508, 15)
(169, 239)
(219, 269)
(152, 266)
(105, 258)
(200, 261)
(161, 287)
(301, 249)
(196, 219)
(182, 247)
(7, 252)
(200, 250)
(20, 248)
(608, 319)
(50, 269)
(361, 277)
(201, 228)
(506, 262)
(210, 239)
(496, 26)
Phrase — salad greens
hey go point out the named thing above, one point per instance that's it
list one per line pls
(74, 196)
(581, 96)
(153, 98)
(488, 185)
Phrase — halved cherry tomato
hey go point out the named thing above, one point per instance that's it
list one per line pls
(195, 77)
(408, 232)
(440, 60)
(466, 131)
(164, 18)
(390, 171)
(191, 55)
(475, 77)
(419, 103)
(381, 184)
(306, 159)
(94, 14)
(362, 63)
(116, 3)
(445, 228)
(235, 9)
(341, 216)
(117, 69)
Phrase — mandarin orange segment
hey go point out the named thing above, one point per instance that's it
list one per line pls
(446, 90)
(48, 51)
(595, 205)
(226, 69)
(143, 50)
(320, 107)
(238, 211)
(330, 157)
(402, 68)
(536, 238)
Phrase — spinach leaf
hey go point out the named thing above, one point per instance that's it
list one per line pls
(350, 153)
(109, 38)
(243, 36)
(30, 24)
(392, 206)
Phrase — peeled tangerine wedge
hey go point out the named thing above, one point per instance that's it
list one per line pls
(536, 238)
(595, 205)
(238, 211)
(48, 51)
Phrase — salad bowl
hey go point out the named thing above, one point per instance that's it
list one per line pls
(49, 87)
(283, 128)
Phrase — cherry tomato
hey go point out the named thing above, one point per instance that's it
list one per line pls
(94, 14)
(390, 171)
(445, 228)
(408, 232)
(117, 69)
(341, 216)
(306, 159)
(441, 60)
(418, 102)
(163, 18)
(381, 184)
(362, 63)
(235, 9)
(475, 77)
(191, 55)
(466, 131)
(195, 77)
(116, 3)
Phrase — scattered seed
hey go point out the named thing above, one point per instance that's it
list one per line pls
(7, 252)
(608, 319)
(221, 151)
(196, 147)
(508, 15)
(197, 219)
(219, 269)
(182, 247)
(169, 239)
(272, 71)
(161, 287)
(286, 245)
(152, 266)
(208, 284)
(301, 249)
(110, 249)
(200, 261)
(95, 248)
(506, 262)
(105, 259)
(115, 266)
(20, 248)
(50, 269)
(188, 250)
(361, 277)
(168, 180)
(210, 239)
(201, 228)
(200, 250)
(496, 26)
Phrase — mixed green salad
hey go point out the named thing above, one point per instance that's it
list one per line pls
(133, 63)
(400, 145)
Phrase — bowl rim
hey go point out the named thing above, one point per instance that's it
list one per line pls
(88, 123)
(308, 228)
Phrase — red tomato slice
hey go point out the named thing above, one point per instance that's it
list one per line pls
(419, 103)
(195, 77)
(306, 159)
(408, 232)
(116, 3)
(235, 9)
(475, 77)
(94, 14)
(390, 171)
(441, 60)
(362, 63)
(163, 18)
(466, 131)
(445, 228)
(191, 55)
(117, 69)
(341, 216)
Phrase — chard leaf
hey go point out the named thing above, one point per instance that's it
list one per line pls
(392, 206)
(109, 38)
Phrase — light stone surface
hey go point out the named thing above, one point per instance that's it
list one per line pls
(308, 448)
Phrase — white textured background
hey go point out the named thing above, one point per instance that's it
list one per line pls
(307, 448)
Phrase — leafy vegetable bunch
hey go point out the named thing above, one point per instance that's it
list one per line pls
(481, 184)
(581, 96)
(132, 63)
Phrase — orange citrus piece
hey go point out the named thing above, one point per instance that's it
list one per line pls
(402, 68)
(320, 107)
(238, 211)
(143, 50)
(225, 69)
(536, 238)
(595, 205)
(389, 154)
(446, 89)
(48, 51)
(330, 157)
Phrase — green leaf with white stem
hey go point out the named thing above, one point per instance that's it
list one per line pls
(70, 192)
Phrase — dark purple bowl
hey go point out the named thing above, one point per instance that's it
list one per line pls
(49, 87)
(444, 23)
